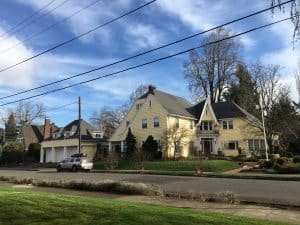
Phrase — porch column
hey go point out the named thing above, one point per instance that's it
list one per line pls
(65, 152)
(122, 146)
(109, 147)
(42, 152)
(53, 154)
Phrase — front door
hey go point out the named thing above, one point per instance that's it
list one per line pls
(207, 146)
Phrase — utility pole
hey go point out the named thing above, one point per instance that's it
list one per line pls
(79, 125)
(263, 123)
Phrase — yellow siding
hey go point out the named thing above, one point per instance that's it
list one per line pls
(135, 118)
(241, 132)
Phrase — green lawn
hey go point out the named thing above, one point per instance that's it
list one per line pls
(182, 165)
(37, 208)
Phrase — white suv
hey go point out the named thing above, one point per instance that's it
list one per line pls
(74, 164)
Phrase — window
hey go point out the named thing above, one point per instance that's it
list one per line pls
(206, 125)
(138, 106)
(191, 124)
(156, 122)
(177, 147)
(231, 145)
(256, 145)
(177, 122)
(98, 135)
(149, 103)
(144, 123)
(127, 123)
(227, 124)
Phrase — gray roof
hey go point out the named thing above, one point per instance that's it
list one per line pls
(179, 106)
(173, 104)
(85, 127)
(227, 110)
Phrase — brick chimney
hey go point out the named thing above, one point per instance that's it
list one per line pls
(151, 89)
(47, 128)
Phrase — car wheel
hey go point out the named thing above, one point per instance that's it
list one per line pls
(74, 168)
(58, 169)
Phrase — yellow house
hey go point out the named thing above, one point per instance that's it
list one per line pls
(183, 129)
(63, 142)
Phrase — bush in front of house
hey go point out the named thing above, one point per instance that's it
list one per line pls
(34, 151)
(13, 153)
(296, 159)
(286, 165)
(150, 147)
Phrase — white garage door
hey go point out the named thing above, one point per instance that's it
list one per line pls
(59, 154)
(48, 152)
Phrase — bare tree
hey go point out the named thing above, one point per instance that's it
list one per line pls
(175, 137)
(27, 112)
(109, 119)
(294, 13)
(277, 104)
(209, 69)
(297, 79)
(141, 89)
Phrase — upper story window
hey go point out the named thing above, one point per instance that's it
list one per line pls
(138, 106)
(206, 125)
(144, 123)
(127, 123)
(156, 122)
(227, 124)
(97, 135)
(191, 124)
(177, 122)
(149, 103)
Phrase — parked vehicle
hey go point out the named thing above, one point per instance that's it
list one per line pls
(75, 164)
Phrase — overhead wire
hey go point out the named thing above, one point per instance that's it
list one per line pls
(40, 16)
(27, 18)
(149, 62)
(78, 36)
(34, 35)
(148, 51)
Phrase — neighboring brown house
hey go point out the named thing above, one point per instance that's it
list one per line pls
(35, 133)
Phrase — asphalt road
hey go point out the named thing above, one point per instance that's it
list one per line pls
(263, 191)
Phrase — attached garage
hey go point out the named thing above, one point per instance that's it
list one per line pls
(59, 154)
(71, 151)
(48, 155)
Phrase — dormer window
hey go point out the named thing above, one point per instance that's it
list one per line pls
(206, 125)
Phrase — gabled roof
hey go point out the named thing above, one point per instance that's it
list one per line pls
(225, 110)
(85, 127)
(173, 104)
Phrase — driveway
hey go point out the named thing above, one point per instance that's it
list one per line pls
(261, 191)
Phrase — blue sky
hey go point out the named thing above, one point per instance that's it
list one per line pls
(160, 23)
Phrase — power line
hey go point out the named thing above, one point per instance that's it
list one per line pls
(79, 36)
(149, 62)
(60, 107)
(27, 18)
(50, 27)
(149, 51)
(40, 16)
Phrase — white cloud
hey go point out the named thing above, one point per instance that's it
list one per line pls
(144, 35)
(21, 76)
